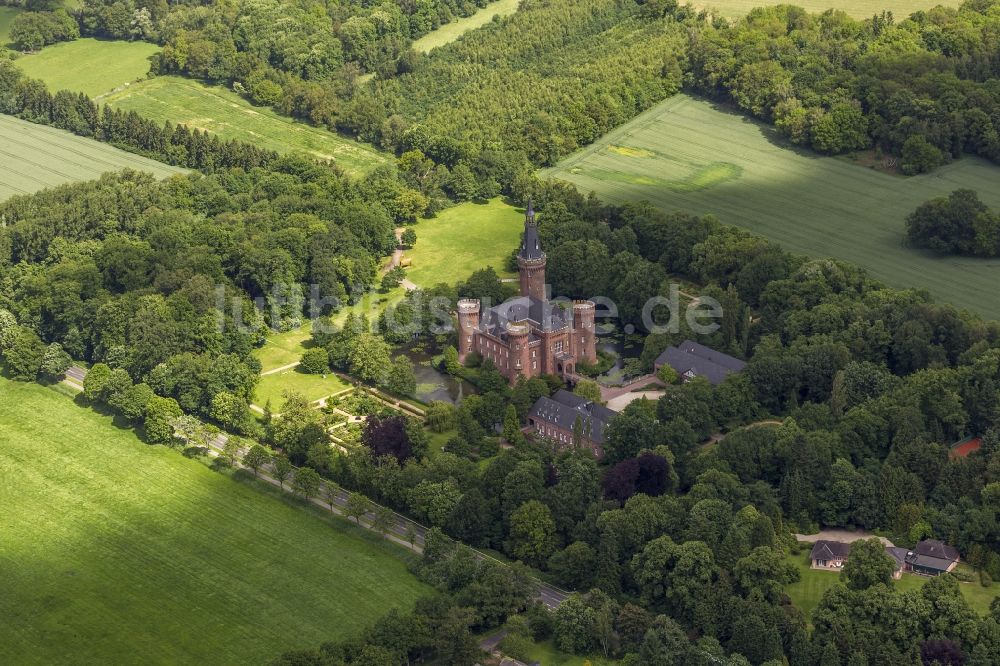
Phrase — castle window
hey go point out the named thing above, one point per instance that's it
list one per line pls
(558, 347)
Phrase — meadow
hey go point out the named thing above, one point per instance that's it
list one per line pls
(462, 239)
(115, 551)
(33, 157)
(93, 67)
(449, 32)
(807, 592)
(221, 111)
(688, 154)
(7, 15)
(859, 9)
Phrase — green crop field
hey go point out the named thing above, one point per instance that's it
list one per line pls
(89, 66)
(463, 239)
(7, 15)
(449, 32)
(114, 551)
(807, 592)
(33, 157)
(223, 112)
(860, 9)
(687, 154)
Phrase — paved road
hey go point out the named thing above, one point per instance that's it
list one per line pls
(400, 530)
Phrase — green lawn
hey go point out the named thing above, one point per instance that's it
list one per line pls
(223, 112)
(860, 9)
(283, 348)
(272, 387)
(33, 157)
(89, 66)
(808, 591)
(449, 32)
(7, 15)
(114, 551)
(687, 154)
(546, 654)
(463, 239)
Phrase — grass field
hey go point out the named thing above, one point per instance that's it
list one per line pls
(449, 32)
(313, 387)
(547, 654)
(686, 154)
(808, 591)
(463, 239)
(7, 15)
(860, 9)
(223, 112)
(114, 551)
(88, 65)
(33, 157)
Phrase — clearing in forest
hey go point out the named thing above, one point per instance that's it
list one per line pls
(93, 67)
(221, 111)
(33, 157)
(115, 551)
(807, 592)
(689, 154)
(463, 239)
(449, 32)
(859, 9)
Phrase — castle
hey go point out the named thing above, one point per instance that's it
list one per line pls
(528, 335)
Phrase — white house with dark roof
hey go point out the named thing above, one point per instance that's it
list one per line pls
(690, 359)
(829, 554)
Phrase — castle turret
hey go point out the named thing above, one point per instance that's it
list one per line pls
(468, 323)
(584, 335)
(531, 259)
(517, 340)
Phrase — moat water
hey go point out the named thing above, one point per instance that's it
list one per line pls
(434, 383)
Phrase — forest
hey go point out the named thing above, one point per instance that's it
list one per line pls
(661, 537)
(677, 550)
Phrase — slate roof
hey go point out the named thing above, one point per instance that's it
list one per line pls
(701, 361)
(829, 550)
(897, 554)
(562, 409)
(933, 554)
(530, 249)
(539, 313)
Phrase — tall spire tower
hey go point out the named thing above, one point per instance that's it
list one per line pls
(531, 259)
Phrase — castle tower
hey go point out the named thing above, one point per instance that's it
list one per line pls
(531, 259)
(584, 335)
(468, 323)
(520, 362)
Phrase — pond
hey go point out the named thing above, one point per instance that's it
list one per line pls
(432, 383)
(623, 347)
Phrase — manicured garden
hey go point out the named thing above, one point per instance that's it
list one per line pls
(116, 551)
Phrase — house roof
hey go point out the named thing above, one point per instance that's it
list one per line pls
(701, 361)
(540, 314)
(937, 549)
(829, 550)
(898, 554)
(563, 408)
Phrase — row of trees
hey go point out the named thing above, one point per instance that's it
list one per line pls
(174, 144)
(919, 88)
